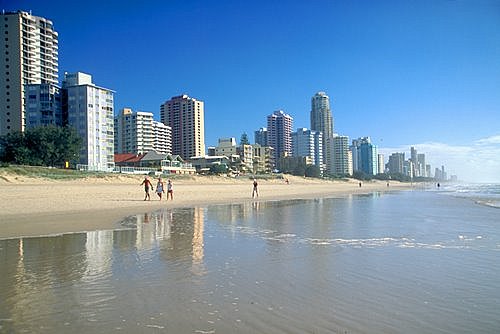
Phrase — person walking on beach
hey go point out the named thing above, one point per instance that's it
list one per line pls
(170, 190)
(255, 192)
(147, 186)
(160, 188)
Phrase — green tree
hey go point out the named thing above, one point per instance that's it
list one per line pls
(313, 171)
(360, 175)
(244, 139)
(41, 146)
(219, 169)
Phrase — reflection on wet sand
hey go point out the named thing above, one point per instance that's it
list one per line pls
(34, 270)
(339, 265)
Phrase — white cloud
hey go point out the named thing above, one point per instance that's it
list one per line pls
(490, 140)
(477, 162)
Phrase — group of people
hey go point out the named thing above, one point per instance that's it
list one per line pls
(160, 188)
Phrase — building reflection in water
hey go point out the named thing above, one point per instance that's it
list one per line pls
(34, 269)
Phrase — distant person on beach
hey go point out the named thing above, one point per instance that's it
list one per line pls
(170, 190)
(147, 187)
(255, 192)
(360, 184)
(286, 181)
(438, 185)
(160, 188)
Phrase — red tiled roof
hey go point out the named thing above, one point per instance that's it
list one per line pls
(128, 157)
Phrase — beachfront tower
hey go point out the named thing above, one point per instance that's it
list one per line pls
(133, 131)
(364, 156)
(308, 143)
(261, 137)
(322, 120)
(29, 55)
(162, 138)
(341, 164)
(43, 105)
(185, 115)
(279, 129)
(90, 112)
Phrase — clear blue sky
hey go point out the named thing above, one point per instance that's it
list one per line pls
(422, 73)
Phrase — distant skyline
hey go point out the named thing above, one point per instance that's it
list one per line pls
(406, 73)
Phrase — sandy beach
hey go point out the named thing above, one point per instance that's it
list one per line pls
(33, 206)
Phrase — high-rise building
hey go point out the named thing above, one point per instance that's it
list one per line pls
(341, 163)
(90, 112)
(308, 143)
(380, 164)
(365, 156)
(185, 115)
(29, 55)
(414, 161)
(279, 129)
(162, 138)
(43, 105)
(396, 163)
(421, 165)
(133, 131)
(261, 137)
(322, 120)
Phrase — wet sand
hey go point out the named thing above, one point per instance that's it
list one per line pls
(34, 207)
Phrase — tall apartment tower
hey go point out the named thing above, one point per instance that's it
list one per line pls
(364, 156)
(308, 143)
(341, 159)
(396, 163)
(185, 115)
(90, 112)
(43, 105)
(29, 55)
(279, 129)
(162, 138)
(322, 120)
(261, 137)
(133, 131)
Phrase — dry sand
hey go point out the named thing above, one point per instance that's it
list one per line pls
(33, 207)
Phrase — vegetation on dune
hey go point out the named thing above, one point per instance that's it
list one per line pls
(47, 172)
(50, 146)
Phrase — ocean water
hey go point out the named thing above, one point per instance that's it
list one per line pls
(402, 262)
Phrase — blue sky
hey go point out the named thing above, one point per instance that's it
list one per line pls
(421, 73)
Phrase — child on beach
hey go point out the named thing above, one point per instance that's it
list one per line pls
(170, 190)
(160, 188)
(147, 186)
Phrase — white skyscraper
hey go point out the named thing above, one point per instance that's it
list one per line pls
(90, 111)
(308, 143)
(279, 128)
(322, 120)
(133, 131)
(29, 55)
(341, 160)
(162, 138)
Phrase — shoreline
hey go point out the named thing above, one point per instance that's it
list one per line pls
(38, 207)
